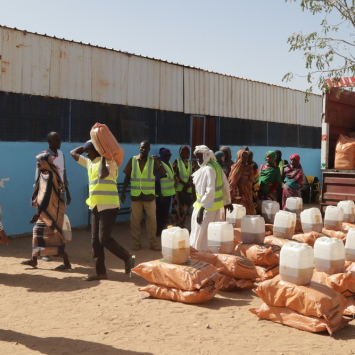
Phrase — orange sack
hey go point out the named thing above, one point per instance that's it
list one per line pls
(349, 306)
(286, 316)
(230, 284)
(237, 266)
(345, 153)
(276, 241)
(202, 295)
(267, 272)
(265, 254)
(313, 299)
(190, 276)
(349, 266)
(346, 226)
(343, 283)
(106, 144)
(335, 234)
(309, 238)
(237, 235)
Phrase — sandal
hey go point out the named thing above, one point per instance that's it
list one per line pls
(96, 277)
(128, 268)
(63, 267)
(29, 263)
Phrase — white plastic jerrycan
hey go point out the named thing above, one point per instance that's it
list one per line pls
(333, 218)
(67, 232)
(296, 263)
(284, 224)
(295, 205)
(220, 236)
(329, 255)
(175, 243)
(235, 217)
(311, 220)
(253, 229)
(268, 210)
(349, 210)
(350, 245)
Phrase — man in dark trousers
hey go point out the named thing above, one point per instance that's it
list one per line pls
(140, 172)
(104, 202)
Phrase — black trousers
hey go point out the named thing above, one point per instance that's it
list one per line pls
(162, 213)
(101, 228)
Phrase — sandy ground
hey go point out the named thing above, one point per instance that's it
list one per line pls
(50, 312)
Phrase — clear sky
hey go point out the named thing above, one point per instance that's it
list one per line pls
(243, 38)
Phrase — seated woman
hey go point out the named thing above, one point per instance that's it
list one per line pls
(48, 198)
(293, 176)
(241, 180)
(270, 181)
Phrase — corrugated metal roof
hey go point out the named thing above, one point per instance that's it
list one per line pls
(42, 65)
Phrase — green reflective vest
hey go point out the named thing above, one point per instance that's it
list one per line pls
(101, 191)
(167, 183)
(142, 181)
(184, 174)
(218, 196)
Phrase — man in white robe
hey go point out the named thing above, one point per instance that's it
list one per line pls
(205, 181)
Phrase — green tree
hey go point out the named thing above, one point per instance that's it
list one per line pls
(327, 55)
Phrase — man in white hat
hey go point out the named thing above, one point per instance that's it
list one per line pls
(212, 192)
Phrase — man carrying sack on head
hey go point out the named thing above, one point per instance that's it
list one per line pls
(104, 202)
(212, 192)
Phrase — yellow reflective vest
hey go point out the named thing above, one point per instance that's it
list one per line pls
(167, 183)
(101, 191)
(184, 174)
(142, 181)
(218, 197)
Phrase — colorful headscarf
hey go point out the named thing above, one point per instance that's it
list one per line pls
(273, 157)
(269, 174)
(163, 155)
(184, 147)
(294, 174)
(296, 157)
(219, 156)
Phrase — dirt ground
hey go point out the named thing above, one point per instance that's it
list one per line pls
(51, 312)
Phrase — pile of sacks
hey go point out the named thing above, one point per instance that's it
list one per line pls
(193, 282)
(313, 307)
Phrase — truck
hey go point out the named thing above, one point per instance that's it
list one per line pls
(338, 117)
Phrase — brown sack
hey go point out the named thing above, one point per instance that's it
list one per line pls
(269, 229)
(335, 234)
(309, 238)
(267, 272)
(313, 299)
(106, 144)
(237, 266)
(190, 276)
(346, 226)
(286, 316)
(349, 306)
(237, 235)
(230, 284)
(265, 254)
(276, 241)
(343, 283)
(349, 266)
(344, 153)
(203, 295)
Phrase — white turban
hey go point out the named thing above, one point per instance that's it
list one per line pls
(207, 154)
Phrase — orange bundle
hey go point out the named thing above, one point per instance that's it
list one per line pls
(106, 144)
(345, 153)
(286, 316)
(237, 266)
(309, 238)
(193, 275)
(230, 284)
(204, 294)
(265, 254)
(349, 266)
(346, 226)
(335, 234)
(269, 229)
(349, 306)
(237, 235)
(343, 283)
(314, 299)
(267, 272)
(276, 241)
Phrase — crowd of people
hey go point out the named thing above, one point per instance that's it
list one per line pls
(209, 181)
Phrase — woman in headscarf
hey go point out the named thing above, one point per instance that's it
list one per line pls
(184, 188)
(47, 197)
(270, 178)
(227, 158)
(212, 191)
(164, 190)
(241, 179)
(293, 177)
(255, 188)
(220, 160)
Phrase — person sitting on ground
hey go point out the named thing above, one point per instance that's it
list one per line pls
(104, 202)
(49, 216)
